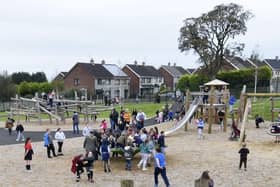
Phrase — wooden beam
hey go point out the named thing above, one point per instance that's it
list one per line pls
(244, 121)
(262, 94)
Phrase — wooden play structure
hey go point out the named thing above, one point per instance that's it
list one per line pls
(245, 107)
(216, 100)
(61, 109)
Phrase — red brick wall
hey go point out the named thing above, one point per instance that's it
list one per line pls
(134, 82)
(86, 80)
(168, 79)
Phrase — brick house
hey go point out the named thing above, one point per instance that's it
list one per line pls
(145, 80)
(60, 76)
(171, 75)
(99, 79)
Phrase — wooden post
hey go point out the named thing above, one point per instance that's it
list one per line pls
(127, 183)
(272, 109)
(210, 110)
(226, 97)
(187, 105)
(245, 116)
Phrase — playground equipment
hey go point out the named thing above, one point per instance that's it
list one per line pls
(33, 108)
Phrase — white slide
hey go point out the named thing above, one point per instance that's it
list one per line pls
(51, 114)
(186, 118)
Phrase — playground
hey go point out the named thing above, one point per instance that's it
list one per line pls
(187, 156)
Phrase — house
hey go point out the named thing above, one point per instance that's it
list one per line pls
(60, 76)
(99, 79)
(274, 65)
(171, 75)
(145, 80)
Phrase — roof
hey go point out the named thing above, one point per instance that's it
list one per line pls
(240, 63)
(191, 70)
(258, 63)
(273, 63)
(115, 70)
(216, 82)
(175, 71)
(144, 70)
(97, 70)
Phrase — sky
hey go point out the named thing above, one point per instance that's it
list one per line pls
(52, 35)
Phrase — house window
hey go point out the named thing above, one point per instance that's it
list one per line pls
(99, 81)
(124, 82)
(76, 82)
(148, 80)
(117, 82)
(142, 80)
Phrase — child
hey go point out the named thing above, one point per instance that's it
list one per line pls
(243, 156)
(144, 150)
(89, 166)
(60, 137)
(103, 125)
(128, 154)
(105, 154)
(10, 125)
(28, 153)
(77, 166)
(20, 131)
(200, 126)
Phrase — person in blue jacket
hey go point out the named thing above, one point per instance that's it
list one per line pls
(48, 143)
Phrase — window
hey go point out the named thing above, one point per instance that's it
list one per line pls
(117, 82)
(142, 80)
(148, 80)
(76, 82)
(124, 82)
(99, 81)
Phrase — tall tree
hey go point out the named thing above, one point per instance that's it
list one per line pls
(19, 77)
(8, 89)
(39, 77)
(211, 35)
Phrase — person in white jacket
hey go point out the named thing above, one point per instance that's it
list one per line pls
(60, 137)
(86, 130)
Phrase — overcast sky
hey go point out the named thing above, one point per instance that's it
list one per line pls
(52, 35)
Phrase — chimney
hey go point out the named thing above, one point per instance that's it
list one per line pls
(135, 62)
(277, 58)
(174, 64)
(143, 63)
(102, 62)
(169, 63)
(91, 61)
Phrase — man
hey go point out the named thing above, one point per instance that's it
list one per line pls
(75, 119)
(48, 142)
(114, 118)
(91, 144)
(244, 151)
(160, 168)
(140, 118)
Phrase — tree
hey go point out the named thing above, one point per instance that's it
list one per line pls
(39, 77)
(8, 89)
(210, 35)
(19, 77)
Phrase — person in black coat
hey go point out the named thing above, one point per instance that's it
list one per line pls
(258, 120)
(244, 151)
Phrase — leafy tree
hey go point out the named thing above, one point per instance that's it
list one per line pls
(8, 89)
(210, 35)
(39, 77)
(19, 77)
(183, 83)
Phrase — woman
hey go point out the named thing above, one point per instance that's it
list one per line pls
(60, 137)
(204, 180)
(28, 153)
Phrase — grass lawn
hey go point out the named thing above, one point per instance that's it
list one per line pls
(149, 109)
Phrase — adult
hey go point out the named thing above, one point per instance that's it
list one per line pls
(161, 142)
(28, 152)
(126, 117)
(20, 130)
(140, 119)
(114, 116)
(258, 120)
(144, 150)
(75, 120)
(205, 97)
(204, 180)
(160, 168)
(60, 137)
(91, 144)
(86, 130)
(48, 143)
